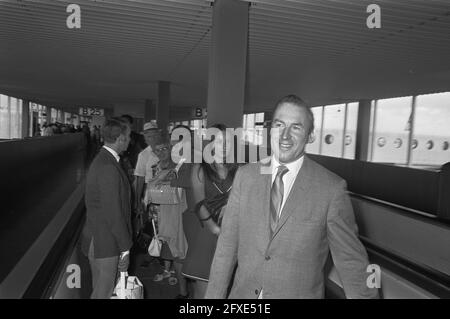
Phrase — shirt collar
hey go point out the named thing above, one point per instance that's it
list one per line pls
(113, 152)
(294, 167)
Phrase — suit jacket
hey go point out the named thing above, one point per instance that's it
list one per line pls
(108, 206)
(316, 219)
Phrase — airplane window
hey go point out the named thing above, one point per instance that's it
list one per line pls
(430, 145)
(329, 139)
(445, 146)
(398, 142)
(414, 143)
(348, 140)
(381, 141)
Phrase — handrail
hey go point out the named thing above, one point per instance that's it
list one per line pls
(410, 212)
(29, 278)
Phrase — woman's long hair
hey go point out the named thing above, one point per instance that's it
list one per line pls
(209, 169)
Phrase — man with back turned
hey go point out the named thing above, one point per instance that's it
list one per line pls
(283, 218)
(108, 233)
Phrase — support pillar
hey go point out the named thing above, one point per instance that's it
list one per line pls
(162, 111)
(25, 118)
(48, 114)
(363, 131)
(149, 111)
(227, 63)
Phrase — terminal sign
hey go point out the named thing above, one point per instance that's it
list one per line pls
(198, 112)
(89, 111)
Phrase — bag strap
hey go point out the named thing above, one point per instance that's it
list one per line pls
(154, 229)
(181, 162)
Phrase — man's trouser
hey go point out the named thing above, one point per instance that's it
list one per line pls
(104, 274)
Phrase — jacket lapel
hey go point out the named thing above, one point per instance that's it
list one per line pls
(297, 195)
(266, 184)
(120, 169)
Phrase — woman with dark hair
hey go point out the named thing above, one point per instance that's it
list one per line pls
(211, 184)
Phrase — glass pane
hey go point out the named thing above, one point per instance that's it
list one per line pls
(314, 148)
(333, 130)
(4, 117)
(390, 141)
(54, 115)
(350, 130)
(14, 119)
(19, 115)
(250, 128)
(259, 117)
(431, 130)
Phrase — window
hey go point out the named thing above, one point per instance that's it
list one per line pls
(10, 117)
(390, 134)
(253, 125)
(196, 124)
(54, 115)
(333, 130)
(314, 147)
(431, 130)
(350, 130)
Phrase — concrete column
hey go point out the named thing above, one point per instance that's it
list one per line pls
(363, 131)
(149, 111)
(227, 63)
(25, 118)
(48, 114)
(162, 111)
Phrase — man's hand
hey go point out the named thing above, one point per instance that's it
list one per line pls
(124, 261)
(215, 230)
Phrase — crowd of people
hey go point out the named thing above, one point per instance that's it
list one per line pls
(224, 226)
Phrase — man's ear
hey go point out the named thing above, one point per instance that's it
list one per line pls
(311, 138)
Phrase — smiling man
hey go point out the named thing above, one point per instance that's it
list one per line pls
(279, 228)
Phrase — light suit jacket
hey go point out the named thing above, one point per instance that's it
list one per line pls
(316, 219)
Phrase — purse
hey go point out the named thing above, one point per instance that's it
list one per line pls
(154, 249)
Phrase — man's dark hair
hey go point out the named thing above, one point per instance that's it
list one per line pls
(113, 128)
(128, 117)
(297, 101)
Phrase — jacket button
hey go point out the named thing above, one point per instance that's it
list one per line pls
(256, 291)
(267, 257)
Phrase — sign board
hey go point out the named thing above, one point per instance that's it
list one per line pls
(90, 111)
(199, 112)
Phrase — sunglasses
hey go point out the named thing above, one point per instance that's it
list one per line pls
(161, 149)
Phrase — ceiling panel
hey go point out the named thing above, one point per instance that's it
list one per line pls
(319, 49)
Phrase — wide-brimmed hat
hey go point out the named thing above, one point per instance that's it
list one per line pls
(150, 126)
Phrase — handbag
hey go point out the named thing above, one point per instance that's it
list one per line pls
(163, 194)
(154, 249)
(128, 287)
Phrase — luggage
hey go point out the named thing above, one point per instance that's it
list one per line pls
(128, 287)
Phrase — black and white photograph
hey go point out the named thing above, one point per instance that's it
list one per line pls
(200, 150)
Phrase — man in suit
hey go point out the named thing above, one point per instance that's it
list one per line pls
(108, 234)
(282, 220)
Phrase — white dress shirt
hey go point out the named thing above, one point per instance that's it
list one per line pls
(113, 152)
(288, 178)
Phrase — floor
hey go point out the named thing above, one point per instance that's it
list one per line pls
(145, 268)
